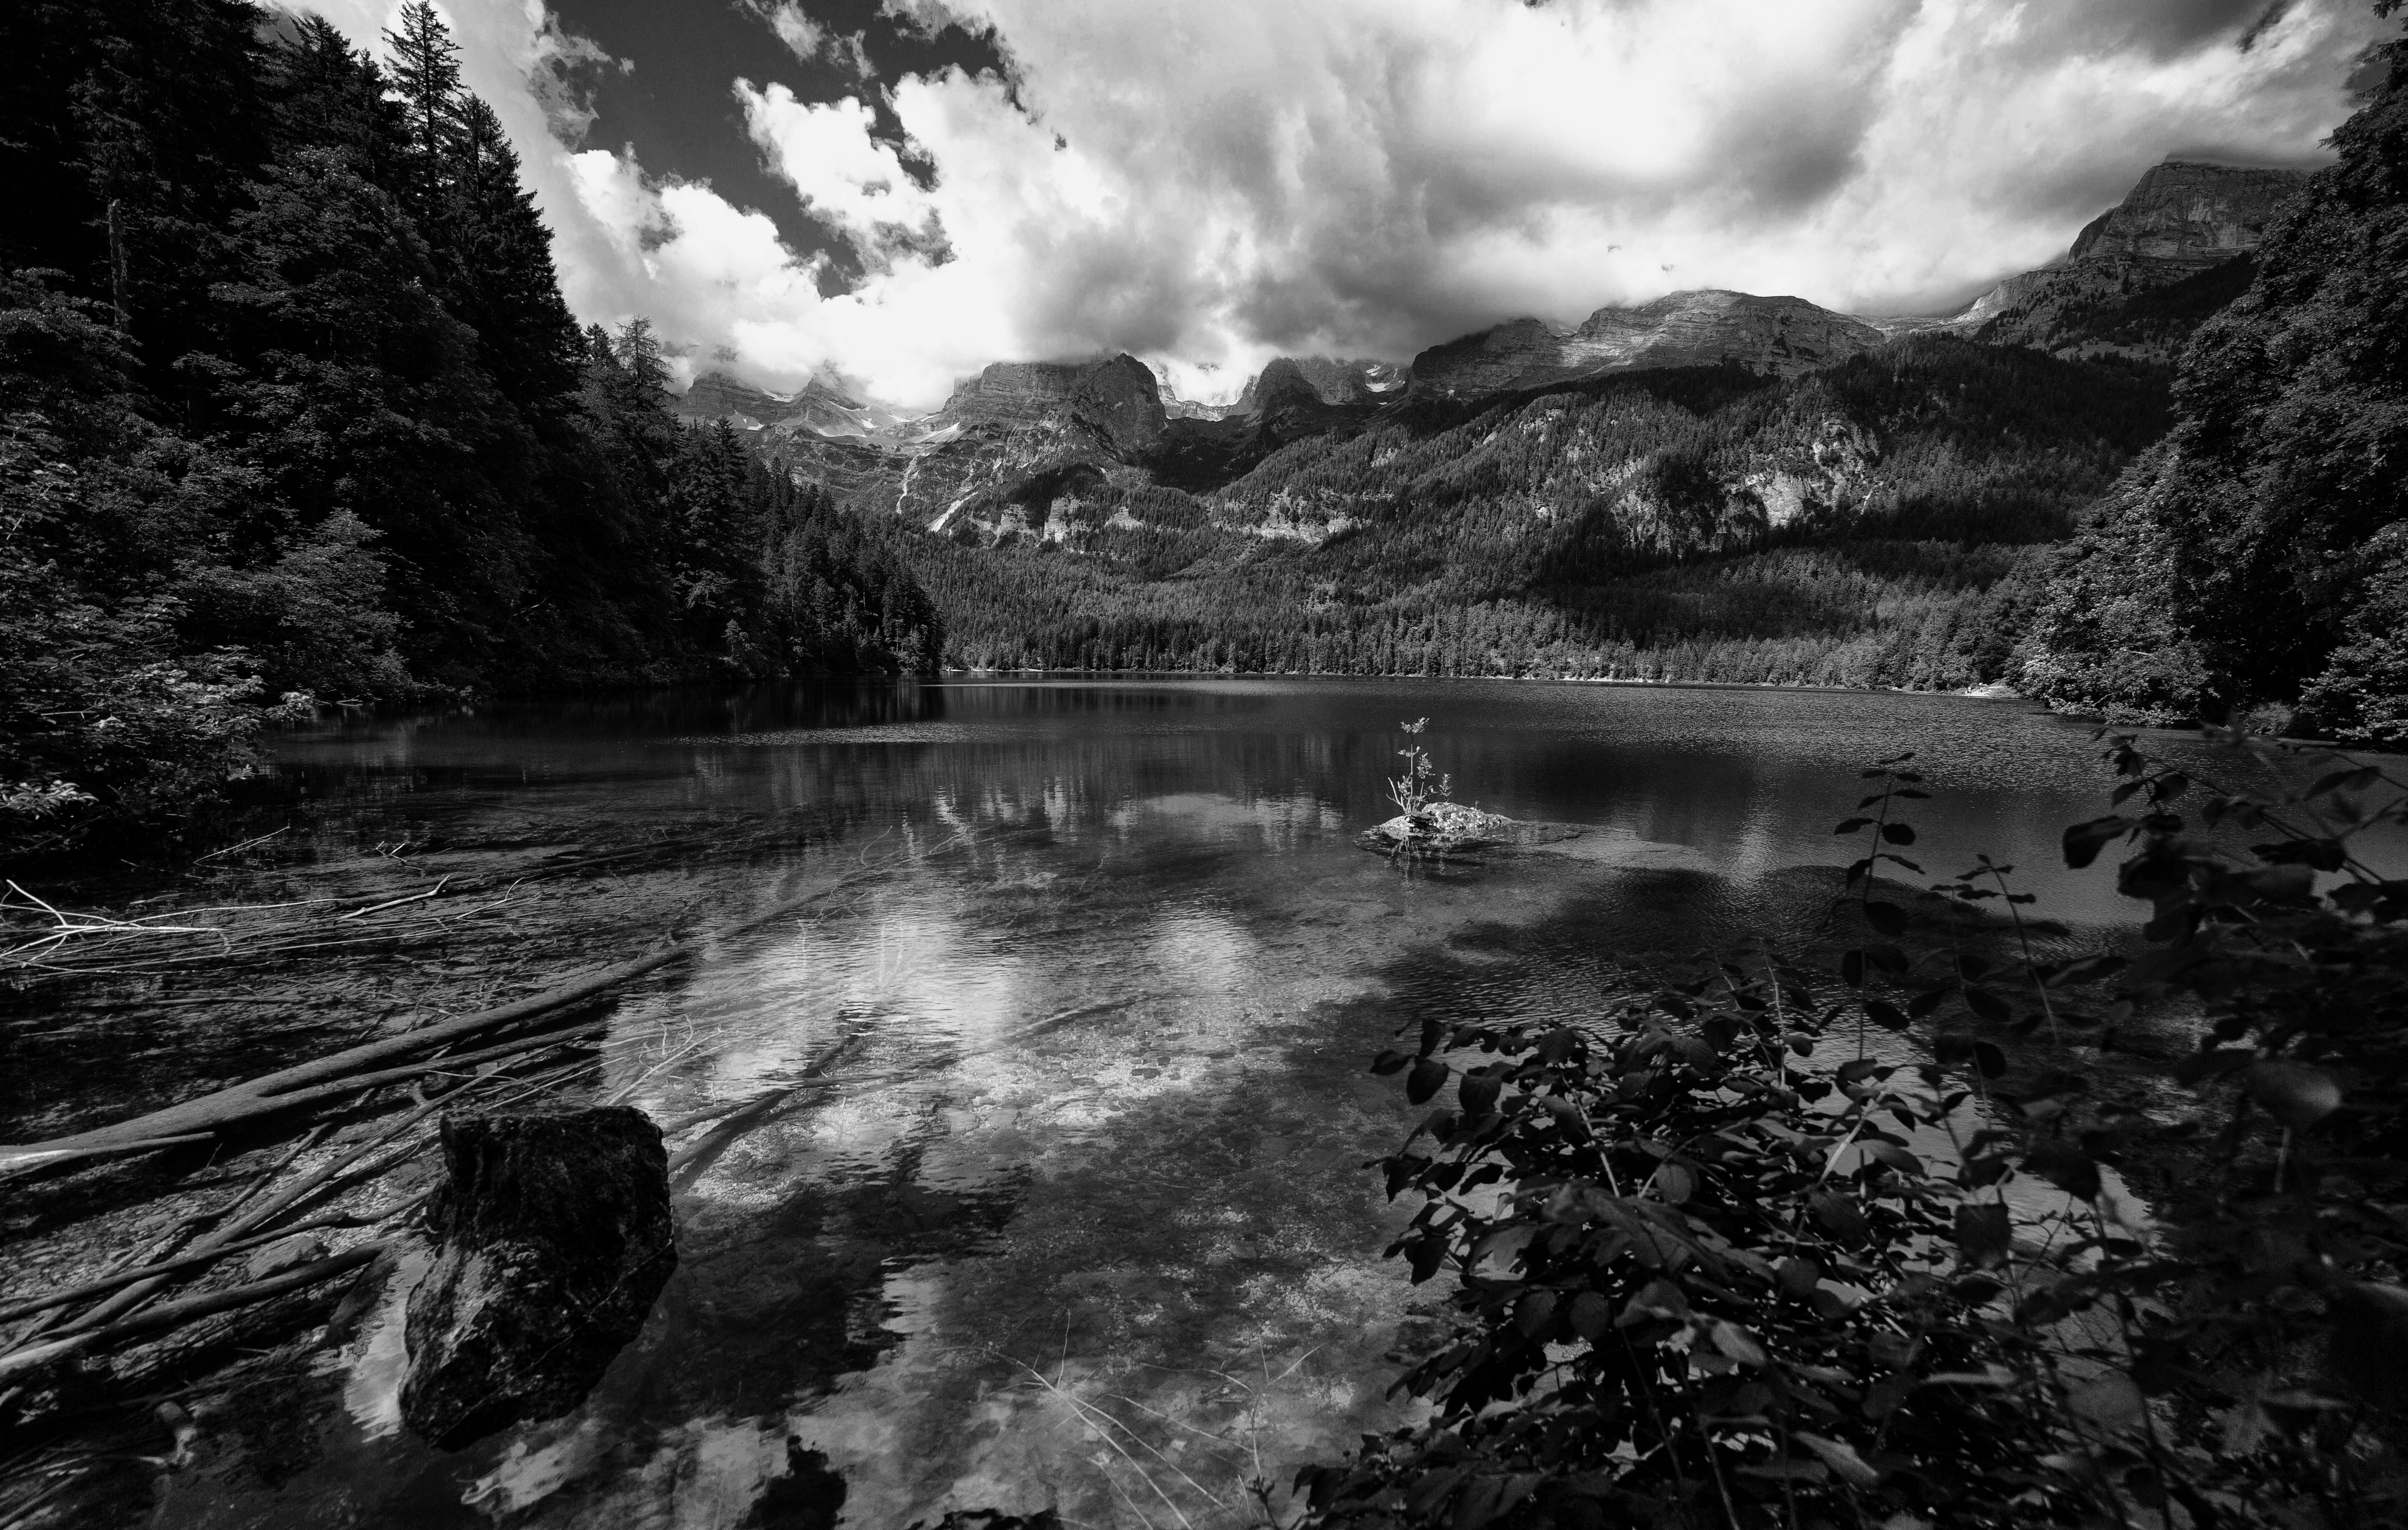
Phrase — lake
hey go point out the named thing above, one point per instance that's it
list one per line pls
(1090, 1229)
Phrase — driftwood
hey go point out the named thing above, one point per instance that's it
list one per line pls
(140, 1264)
(347, 1072)
(234, 1227)
(172, 1314)
(181, 1263)
(127, 1304)
(240, 1230)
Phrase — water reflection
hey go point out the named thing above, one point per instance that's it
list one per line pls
(1081, 1224)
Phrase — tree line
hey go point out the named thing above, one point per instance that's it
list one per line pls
(1882, 523)
(295, 414)
(2225, 538)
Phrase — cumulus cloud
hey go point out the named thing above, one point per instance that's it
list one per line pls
(1211, 185)
(803, 36)
(848, 180)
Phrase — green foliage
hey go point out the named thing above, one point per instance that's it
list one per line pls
(841, 599)
(1715, 1264)
(105, 712)
(2108, 638)
(2266, 533)
(295, 410)
(1421, 785)
(2363, 691)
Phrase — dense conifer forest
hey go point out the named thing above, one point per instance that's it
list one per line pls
(295, 414)
(1885, 523)
(2254, 563)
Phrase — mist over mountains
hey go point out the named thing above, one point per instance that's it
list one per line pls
(1713, 486)
(2137, 279)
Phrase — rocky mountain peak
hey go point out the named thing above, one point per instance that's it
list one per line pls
(821, 406)
(2189, 213)
(1117, 395)
(717, 396)
(1777, 336)
(2179, 224)
(1329, 380)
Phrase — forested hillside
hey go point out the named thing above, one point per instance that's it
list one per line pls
(1942, 511)
(1875, 523)
(295, 414)
(2255, 564)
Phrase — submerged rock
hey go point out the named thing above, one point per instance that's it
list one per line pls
(1449, 828)
(1441, 826)
(553, 1238)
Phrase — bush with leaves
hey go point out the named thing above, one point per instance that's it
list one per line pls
(1717, 1264)
(1420, 787)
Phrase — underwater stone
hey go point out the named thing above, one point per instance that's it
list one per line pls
(553, 1237)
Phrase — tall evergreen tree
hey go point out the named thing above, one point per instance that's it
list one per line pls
(425, 69)
(506, 285)
(330, 96)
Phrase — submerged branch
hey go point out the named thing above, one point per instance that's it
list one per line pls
(175, 1314)
(344, 1072)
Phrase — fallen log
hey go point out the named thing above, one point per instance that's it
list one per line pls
(333, 1075)
(173, 1314)
(159, 1250)
(69, 1295)
(235, 1227)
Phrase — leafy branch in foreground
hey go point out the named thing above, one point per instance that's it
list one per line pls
(1707, 1273)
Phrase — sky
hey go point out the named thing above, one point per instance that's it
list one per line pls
(892, 193)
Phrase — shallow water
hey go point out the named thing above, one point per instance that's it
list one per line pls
(1088, 1228)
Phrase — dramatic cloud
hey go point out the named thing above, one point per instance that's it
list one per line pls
(1210, 185)
(855, 183)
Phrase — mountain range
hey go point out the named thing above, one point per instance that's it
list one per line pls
(1080, 514)
(2137, 279)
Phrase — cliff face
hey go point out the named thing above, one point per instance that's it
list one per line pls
(1782, 335)
(2145, 273)
(715, 396)
(1118, 398)
(2188, 215)
(1518, 353)
(1329, 381)
(1777, 336)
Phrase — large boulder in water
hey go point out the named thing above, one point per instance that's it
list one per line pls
(553, 1238)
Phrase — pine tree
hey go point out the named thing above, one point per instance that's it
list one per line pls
(504, 282)
(425, 66)
(329, 96)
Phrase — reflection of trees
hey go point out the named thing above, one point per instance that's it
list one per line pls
(809, 1497)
